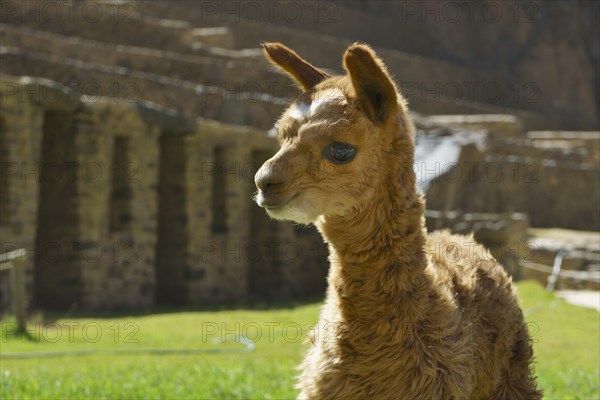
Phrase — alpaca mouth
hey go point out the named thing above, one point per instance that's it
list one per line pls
(269, 204)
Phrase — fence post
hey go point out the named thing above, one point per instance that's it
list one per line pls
(16, 261)
(18, 292)
(556, 269)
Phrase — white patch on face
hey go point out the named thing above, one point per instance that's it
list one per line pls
(296, 211)
(303, 111)
(288, 213)
(299, 111)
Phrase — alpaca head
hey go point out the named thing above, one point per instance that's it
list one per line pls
(342, 141)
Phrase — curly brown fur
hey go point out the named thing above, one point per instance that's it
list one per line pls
(407, 315)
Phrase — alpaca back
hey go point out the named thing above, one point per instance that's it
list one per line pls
(491, 317)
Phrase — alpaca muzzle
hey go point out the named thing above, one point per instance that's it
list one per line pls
(269, 183)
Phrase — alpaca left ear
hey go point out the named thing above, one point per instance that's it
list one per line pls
(305, 74)
(374, 87)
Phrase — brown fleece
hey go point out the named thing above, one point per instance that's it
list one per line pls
(407, 315)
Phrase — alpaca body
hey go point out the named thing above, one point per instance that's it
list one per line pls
(407, 315)
(429, 339)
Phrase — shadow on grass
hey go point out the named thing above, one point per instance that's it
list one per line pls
(15, 334)
(47, 316)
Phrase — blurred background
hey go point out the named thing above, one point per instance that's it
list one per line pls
(131, 132)
(124, 199)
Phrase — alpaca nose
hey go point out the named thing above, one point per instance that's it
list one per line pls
(266, 178)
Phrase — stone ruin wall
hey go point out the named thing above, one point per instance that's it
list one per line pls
(553, 181)
(127, 206)
(153, 208)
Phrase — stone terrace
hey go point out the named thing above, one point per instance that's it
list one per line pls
(181, 57)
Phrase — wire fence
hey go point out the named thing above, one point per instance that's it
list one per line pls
(588, 276)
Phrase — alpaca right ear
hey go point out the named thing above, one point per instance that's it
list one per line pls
(304, 74)
(374, 87)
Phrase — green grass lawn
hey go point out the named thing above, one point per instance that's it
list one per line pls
(567, 351)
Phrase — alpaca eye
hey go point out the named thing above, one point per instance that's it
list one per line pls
(339, 152)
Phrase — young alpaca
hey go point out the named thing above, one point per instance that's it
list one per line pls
(407, 316)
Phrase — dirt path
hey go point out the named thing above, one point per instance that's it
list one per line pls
(584, 298)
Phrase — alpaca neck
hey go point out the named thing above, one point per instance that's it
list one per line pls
(378, 258)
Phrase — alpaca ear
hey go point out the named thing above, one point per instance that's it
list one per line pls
(374, 87)
(305, 74)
